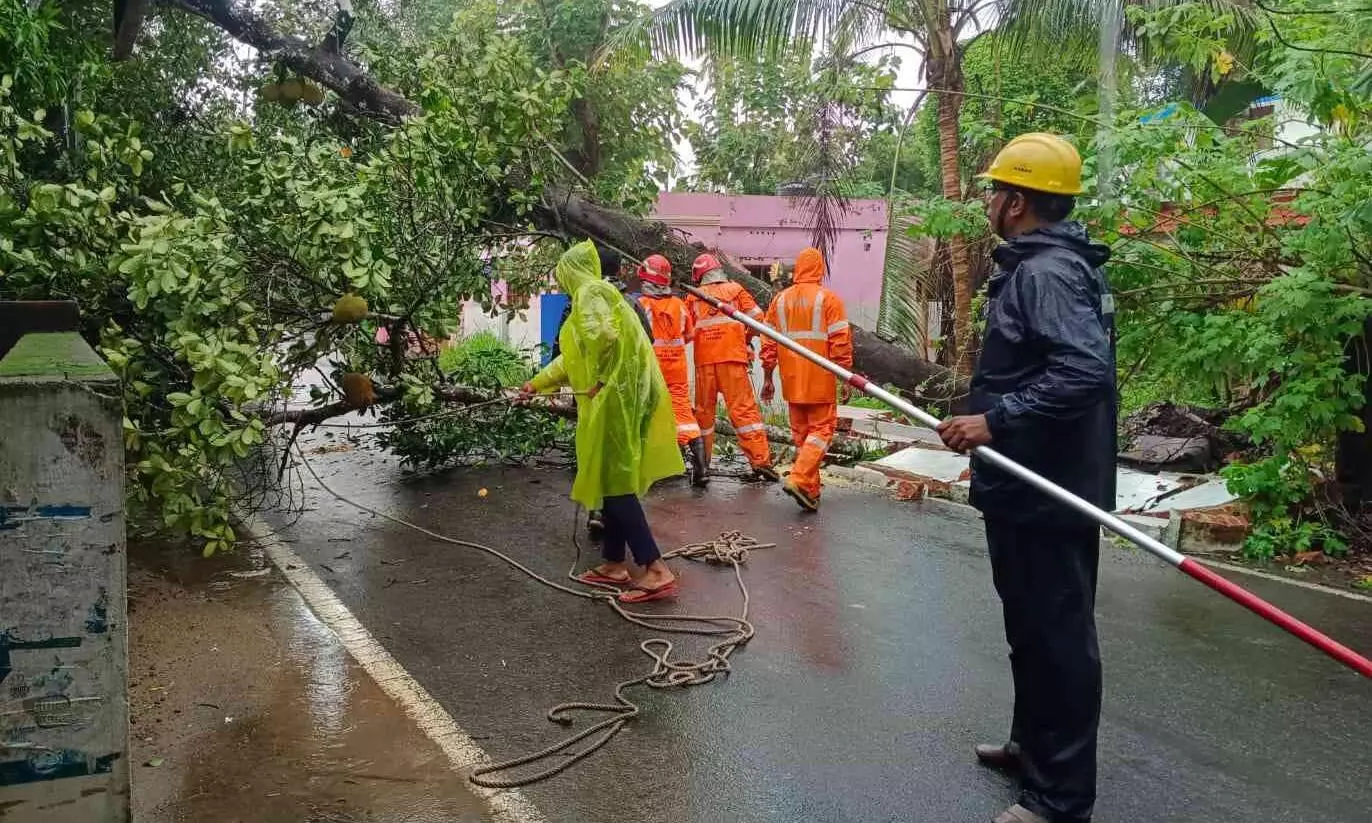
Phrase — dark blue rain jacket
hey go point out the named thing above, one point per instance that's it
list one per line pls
(1046, 377)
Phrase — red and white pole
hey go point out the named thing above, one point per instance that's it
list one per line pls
(1171, 556)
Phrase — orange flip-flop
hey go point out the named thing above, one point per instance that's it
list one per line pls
(591, 577)
(639, 594)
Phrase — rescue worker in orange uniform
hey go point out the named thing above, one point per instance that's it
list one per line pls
(722, 358)
(673, 328)
(815, 318)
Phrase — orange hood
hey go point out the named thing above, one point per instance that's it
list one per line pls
(809, 267)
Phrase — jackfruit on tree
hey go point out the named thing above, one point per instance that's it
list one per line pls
(291, 90)
(311, 94)
(358, 390)
(350, 308)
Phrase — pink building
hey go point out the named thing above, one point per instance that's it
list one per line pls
(757, 231)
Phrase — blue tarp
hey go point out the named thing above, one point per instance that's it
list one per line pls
(1161, 114)
(550, 308)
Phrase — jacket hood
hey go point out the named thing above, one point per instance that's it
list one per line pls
(809, 267)
(578, 266)
(1068, 234)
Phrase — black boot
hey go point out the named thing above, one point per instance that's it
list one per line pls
(700, 466)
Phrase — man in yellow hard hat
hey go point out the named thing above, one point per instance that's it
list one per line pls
(1043, 394)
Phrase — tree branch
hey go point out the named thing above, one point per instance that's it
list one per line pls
(332, 69)
(1280, 39)
(128, 22)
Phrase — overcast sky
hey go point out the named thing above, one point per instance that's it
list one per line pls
(907, 77)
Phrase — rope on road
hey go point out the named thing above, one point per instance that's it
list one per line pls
(730, 549)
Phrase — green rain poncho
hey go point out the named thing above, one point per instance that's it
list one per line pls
(626, 434)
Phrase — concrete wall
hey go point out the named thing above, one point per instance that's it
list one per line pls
(63, 637)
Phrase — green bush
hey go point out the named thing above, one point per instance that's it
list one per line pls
(426, 436)
(484, 361)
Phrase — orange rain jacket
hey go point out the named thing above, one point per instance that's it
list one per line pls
(814, 317)
(672, 328)
(718, 338)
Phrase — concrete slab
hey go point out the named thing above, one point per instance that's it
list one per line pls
(1211, 492)
(943, 466)
(1134, 490)
(871, 422)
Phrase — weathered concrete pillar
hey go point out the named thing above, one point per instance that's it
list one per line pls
(64, 720)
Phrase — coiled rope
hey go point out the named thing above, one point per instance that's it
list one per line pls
(730, 549)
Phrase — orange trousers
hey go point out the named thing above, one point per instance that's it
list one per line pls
(812, 427)
(687, 429)
(732, 380)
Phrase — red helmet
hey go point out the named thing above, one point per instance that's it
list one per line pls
(656, 269)
(703, 265)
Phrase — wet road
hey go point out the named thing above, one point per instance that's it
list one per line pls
(878, 662)
(246, 709)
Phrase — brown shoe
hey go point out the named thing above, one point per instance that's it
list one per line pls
(805, 501)
(1004, 757)
(766, 473)
(1019, 814)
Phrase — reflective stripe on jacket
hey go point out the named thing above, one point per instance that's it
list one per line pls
(814, 317)
(718, 338)
(672, 329)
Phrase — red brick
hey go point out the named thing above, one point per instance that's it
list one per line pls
(1221, 524)
(930, 484)
(910, 490)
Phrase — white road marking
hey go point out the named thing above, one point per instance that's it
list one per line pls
(507, 805)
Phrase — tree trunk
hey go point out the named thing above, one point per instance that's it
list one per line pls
(331, 69)
(1353, 454)
(945, 72)
(587, 157)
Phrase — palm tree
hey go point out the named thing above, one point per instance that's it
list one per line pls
(939, 30)
(934, 28)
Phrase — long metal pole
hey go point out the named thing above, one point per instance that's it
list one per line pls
(1171, 556)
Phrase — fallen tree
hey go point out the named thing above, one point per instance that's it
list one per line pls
(880, 360)
(564, 211)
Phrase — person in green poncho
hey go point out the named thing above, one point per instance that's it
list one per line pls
(625, 430)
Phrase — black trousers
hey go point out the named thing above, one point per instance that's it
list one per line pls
(626, 524)
(1046, 578)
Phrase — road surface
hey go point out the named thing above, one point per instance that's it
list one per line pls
(879, 660)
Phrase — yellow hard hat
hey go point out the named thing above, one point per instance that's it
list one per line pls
(1038, 161)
